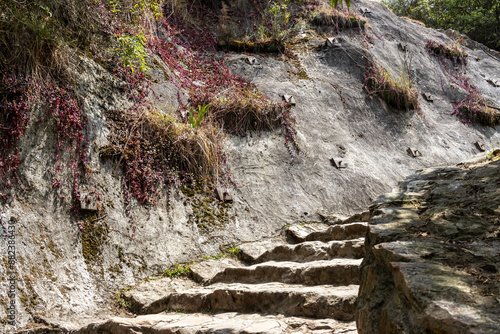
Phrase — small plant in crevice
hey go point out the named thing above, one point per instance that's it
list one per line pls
(474, 108)
(234, 251)
(455, 54)
(397, 93)
(178, 270)
(202, 111)
(121, 301)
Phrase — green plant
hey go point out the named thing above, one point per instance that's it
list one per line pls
(280, 16)
(202, 110)
(132, 51)
(478, 19)
(335, 3)
(178, 270)
(234, 251)
(120, 301)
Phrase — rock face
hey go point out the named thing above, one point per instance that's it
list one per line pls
(309, 292)
(68, 275)
(433, 254)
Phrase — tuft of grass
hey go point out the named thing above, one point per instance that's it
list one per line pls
(341, 19)
(178, 270)
(234, 251)
(397, 93)
(159, 149)
(454, 53)
(412, 20)
(474, 109)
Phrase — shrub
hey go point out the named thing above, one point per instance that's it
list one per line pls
(397, 93)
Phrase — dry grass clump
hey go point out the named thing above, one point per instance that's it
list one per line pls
(156, 150)
(454, 53)
(474, 109)
(341, 19)
(413, 20)
(397, 93)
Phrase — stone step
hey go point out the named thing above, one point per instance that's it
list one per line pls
(204, 271)
(250, 251)
(227, 323)
(335, 272)
(304, 252)
(319, 301)
(301, 233)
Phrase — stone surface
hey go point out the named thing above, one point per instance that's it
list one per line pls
(252, 251)
(229, 323)
(335, 272)
(433, 254)
(205, 271)
(302, 233)
(323, 289)
(334, 118)
(319, 301)
(306, 251)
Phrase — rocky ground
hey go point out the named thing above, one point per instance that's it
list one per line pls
(433, 254)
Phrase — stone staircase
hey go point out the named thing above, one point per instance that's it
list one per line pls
(304, 283)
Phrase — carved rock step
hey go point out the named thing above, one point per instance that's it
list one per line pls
(335, 272)
(303, 252)
(319, 301)
(318, 232)
(204, 271)
(301, 231)
(227, 323)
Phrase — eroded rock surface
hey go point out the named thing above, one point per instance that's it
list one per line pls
(433, 254)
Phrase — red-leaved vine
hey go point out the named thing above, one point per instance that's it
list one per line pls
(473, 108)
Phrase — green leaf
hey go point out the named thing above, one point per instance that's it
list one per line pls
(335, 3)
(191, 118)
(201, 113)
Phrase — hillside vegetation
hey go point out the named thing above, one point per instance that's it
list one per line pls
(478, 19)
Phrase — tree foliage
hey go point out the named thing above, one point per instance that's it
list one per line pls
(478, 19)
